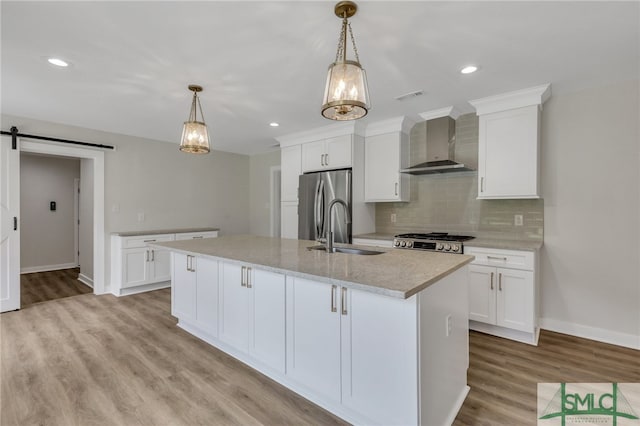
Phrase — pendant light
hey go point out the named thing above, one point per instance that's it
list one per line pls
(346, 95)
(195, 137)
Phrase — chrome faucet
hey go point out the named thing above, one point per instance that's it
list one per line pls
(329, 242)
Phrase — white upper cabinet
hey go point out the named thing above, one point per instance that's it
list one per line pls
(327, 154)
(386, 151)
(509, 144)
(291, 167)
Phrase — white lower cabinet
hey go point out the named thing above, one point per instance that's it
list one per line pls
(503, 299)
(342, 348)
(194, 291)
(252, 315)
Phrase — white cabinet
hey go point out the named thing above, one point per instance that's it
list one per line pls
(136, 267)
(252, 315)
(385, 155)
(503, 293)
(291, 167)
(327, 154)
(338, 337)
(194, 291)
(509, 144)
(289, 219)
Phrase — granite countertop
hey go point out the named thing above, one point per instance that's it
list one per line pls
(163, 231)
(395, 273)
(478, 241)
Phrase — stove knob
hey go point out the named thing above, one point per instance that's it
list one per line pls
(403, 244)
(439, 246)
(447, 247)
(455, 247)
(409, 244)
(396, 243)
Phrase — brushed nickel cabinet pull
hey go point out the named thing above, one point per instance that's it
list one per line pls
(333, 299)
(343, 301)
(200, 236)
(497, 258)
(146, 255)
(322, 159)
(492, 281)
(500, 281)
(482, 184)
(153, 255)
(242, 279)
(326, 159)
(188, 263)
(249, 278)
(396, 188)
(149, 241)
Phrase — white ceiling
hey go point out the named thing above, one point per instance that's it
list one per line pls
(266, 61)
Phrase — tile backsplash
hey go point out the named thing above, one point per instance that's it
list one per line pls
(447, 202)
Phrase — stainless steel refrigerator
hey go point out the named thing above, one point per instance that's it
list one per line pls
(316, 191)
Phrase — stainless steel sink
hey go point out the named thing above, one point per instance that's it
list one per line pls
(347, 250)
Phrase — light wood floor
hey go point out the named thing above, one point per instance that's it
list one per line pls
(102, 360)
(43, 286)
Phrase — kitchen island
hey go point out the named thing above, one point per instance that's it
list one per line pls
(375, 339)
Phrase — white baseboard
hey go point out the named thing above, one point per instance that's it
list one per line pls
(85, 280)
(592, 333)
(45, 268)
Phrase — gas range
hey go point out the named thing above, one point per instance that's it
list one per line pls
(434, 241)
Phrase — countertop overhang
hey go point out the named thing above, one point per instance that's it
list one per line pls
(395, 273)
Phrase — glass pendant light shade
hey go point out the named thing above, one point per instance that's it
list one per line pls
(195, 136)
(346, 95)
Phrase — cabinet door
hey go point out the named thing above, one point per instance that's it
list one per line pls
(159, 265)
(289, 220)
(515, 299)
(338, 152)
(267, 319)
(313, 155)
(291, 168)
(482, 293)
(234, 307)
(508, 154)
(183, 287)
(379, 356)
(207, 295)
(313, 342)
(381, 165)
(135, 267)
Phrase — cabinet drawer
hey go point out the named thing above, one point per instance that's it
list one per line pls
(515, 259)
(196, 235)
(143, 240)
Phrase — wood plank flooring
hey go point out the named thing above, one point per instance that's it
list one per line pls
(44, 286)
(102, 360)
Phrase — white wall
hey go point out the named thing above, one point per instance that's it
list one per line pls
(591, 188)
(85, 239)
(260, 201)
(171, 188)
(47, 237)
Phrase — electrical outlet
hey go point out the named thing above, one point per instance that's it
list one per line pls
(518, 220)
(393, 218)
(449, 324)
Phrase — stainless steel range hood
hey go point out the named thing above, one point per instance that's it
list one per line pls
(435, 141)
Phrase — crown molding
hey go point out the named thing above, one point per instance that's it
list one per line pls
(325, 132)
(518, 99)
(401, 124)
(450, 111)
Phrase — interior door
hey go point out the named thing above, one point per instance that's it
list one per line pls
(9, 225)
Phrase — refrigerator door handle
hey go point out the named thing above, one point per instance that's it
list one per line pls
(321, 209)
(316, 207)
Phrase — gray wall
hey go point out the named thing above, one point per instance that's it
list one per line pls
(47, 237)
(260, 194)
(172, 189)
(591, 256)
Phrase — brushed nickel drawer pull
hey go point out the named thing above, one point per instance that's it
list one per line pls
(146, 256)
(249, 278)
(492, 281)
(333, 299)
(482, 184)
(200, 236)
(500, 281)
(149, 241)
(326, 159)
(242, 279)
(343, 302)
(497, 258)
(396, 188)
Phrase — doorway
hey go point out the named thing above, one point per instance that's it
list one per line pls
(10, 255)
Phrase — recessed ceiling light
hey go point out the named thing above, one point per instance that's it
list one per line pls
(469, 69)
(58, 62)
(274, 124)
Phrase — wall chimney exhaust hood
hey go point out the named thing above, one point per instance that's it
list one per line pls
(432, 146)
